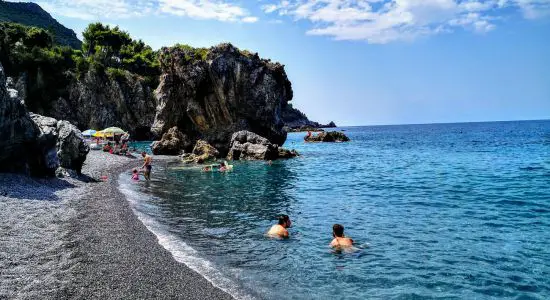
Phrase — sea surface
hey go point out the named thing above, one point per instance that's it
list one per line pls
(446, 211)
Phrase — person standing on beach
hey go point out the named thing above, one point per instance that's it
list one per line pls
(147, 160)
(280, 229)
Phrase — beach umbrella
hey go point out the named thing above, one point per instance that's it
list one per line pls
(113, 131)
(99, 134)
(89, 132)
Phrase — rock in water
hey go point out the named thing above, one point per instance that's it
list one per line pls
(18, 132)
(246, 145)
(330, 136)
(219, 91)
(172, 143)
(202, 152)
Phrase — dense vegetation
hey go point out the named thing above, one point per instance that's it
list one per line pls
(31, 14)
(31, 51)
(49, 68)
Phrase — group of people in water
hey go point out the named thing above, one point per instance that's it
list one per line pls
(340, 241)
(222, 167)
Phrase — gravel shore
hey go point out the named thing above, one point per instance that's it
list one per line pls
(78, 239)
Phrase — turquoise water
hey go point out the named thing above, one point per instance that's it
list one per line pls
(453, 211)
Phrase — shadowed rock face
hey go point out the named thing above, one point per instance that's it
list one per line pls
(35, 144)
(224, 92)
(99, 101)
(17, 131)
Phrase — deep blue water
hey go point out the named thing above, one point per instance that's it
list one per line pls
(449, 211)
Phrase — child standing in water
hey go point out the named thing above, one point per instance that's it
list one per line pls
(135, 175)
(340, 241)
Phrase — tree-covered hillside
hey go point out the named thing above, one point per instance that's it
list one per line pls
(31, 14)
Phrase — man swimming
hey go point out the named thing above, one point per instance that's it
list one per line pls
(146, 165)
(280, 229)
(340, 241)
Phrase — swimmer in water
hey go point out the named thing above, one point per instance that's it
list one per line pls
(280, 229)
(340, 241)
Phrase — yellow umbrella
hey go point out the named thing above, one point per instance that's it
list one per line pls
(113, 131)
(100, 134)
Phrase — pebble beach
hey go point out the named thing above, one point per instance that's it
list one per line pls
(77, 238)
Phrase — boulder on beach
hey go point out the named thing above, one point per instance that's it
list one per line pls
(61, 144)
(246, 145)
(34, 144)
(71, 146)
(328, 137)
(172, 142)
(202, 152)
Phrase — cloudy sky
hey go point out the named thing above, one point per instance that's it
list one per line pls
(362, 62)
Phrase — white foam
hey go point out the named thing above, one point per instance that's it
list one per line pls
(182, 252)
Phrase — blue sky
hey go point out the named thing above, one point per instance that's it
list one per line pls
(363, 62)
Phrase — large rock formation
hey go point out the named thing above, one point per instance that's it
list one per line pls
(17, 131)
(329, 137)
(210, 94)
(34, 144)
(62, 144)
(172, 143)
(246, 145)
(99, 101)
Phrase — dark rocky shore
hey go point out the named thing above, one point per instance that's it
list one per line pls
(78, 239)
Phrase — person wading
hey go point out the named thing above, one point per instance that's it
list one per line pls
(147, 167)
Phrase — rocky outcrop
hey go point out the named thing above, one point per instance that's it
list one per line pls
(17, 131)
(305, 128)
(246, 145)
(172, 142)
(297, 121)
(294, 118)
(61, 143)
(46, 143)
(202, 152)
(99, 101)
(211, 93)
(329, 125)
(35, 144)
(330, 136)
(71, 146)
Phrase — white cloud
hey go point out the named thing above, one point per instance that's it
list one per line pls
(94, 9)
(384, 21)
(221, 10)
(206, 9)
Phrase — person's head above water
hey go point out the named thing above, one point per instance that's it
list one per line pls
(284, 220)
(143, 153)
(134, 170)
(338, 230)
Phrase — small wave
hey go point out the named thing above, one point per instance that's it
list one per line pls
(182, 252)
(535, 168)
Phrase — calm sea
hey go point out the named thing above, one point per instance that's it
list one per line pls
(449, 211)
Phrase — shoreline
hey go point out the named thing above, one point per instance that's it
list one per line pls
(65, 238)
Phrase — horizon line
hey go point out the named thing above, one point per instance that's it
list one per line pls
(442, 123)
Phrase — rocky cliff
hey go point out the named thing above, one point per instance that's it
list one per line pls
(211, 93)
(17, 131)
(103, 100)
(34, 144)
